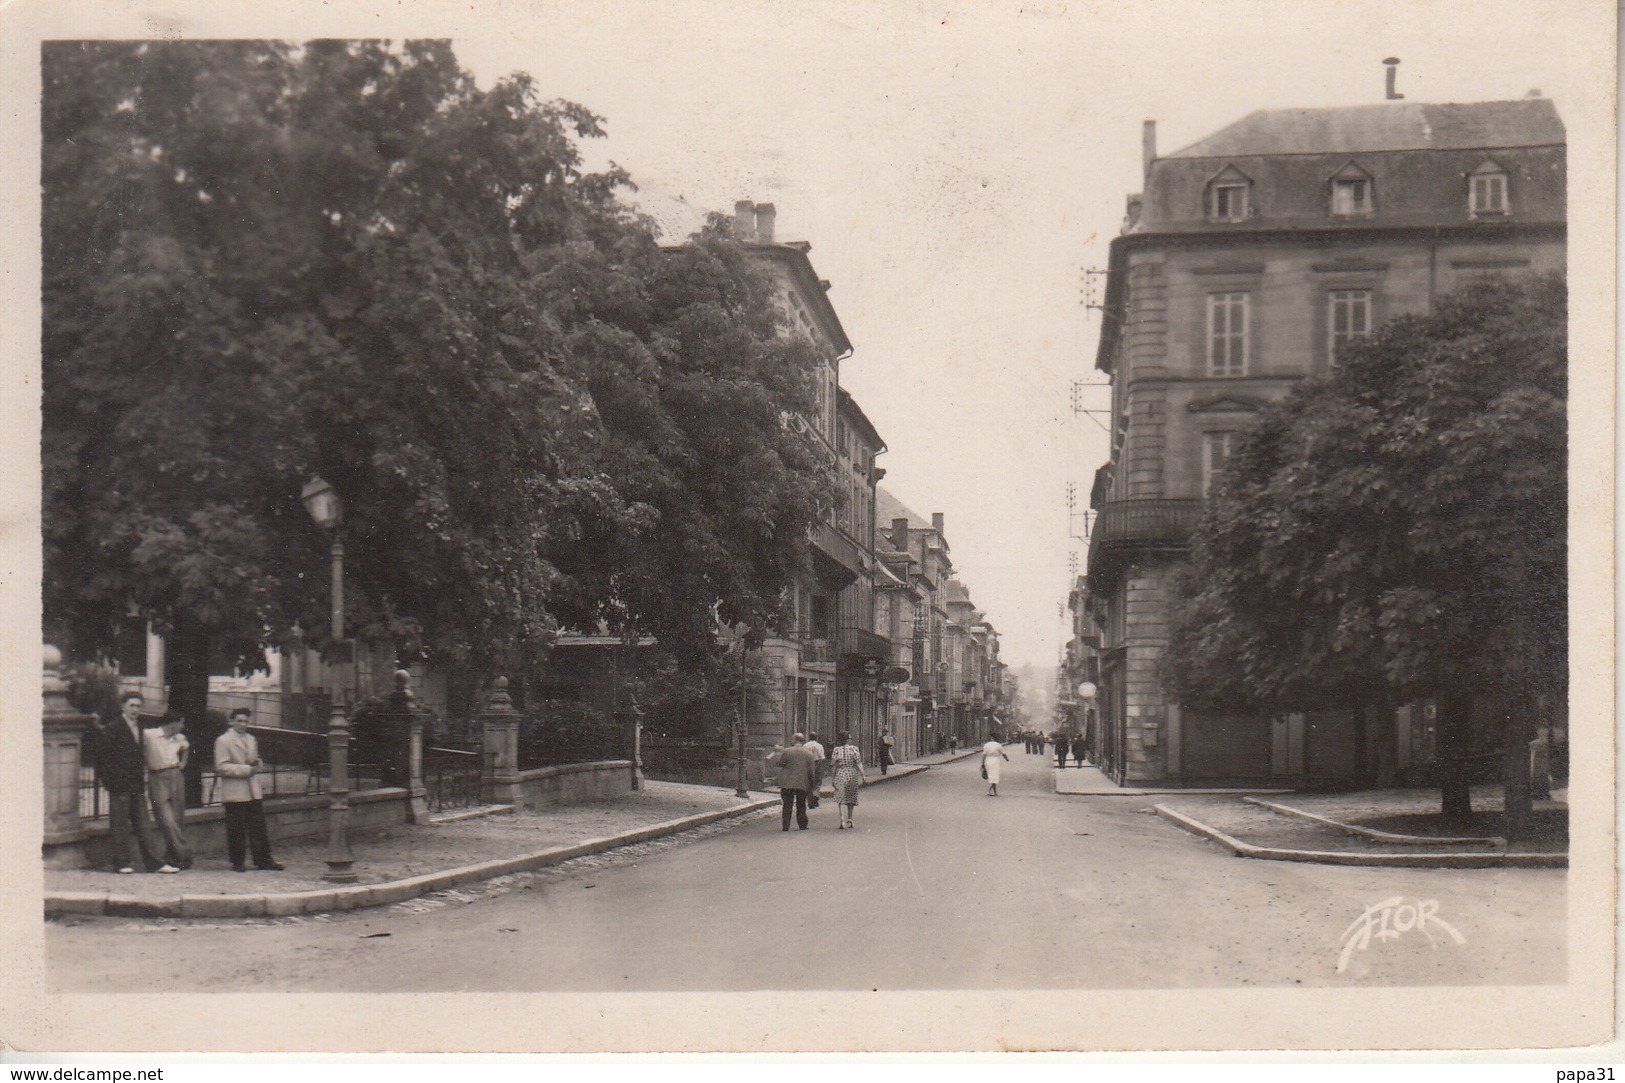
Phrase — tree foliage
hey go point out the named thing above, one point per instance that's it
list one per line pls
(265, 261)
(1397, 526)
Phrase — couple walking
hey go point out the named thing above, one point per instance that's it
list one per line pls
(799, 770)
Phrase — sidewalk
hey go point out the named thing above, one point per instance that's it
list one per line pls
(1397, 827)
(406, 861)
(1092, 781)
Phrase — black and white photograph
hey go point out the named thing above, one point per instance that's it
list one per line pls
(856, 527)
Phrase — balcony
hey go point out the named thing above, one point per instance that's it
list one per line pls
(862, 643)
(816, 652)
(846, 555)
(1127, 525)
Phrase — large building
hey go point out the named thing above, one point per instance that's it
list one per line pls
(827, 660)
(956, 689)
(1250, 259)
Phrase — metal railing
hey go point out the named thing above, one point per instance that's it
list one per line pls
(295, 764)
(454, 778)
(1151, 521)
(274, 709)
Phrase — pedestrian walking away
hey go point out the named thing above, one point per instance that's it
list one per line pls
(796, 772)
(1078, 751)
(820, 770)
(121, 767)
(166, 750)
(1060, 749)
(847, 769)
(237, 764)
(993, 758)
(886, 746)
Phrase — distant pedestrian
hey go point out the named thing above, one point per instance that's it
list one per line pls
(1061, 746)
(796, 772)
(993, 758)
(1079, 752)
(166, 750)
(886, 746)
(121, 767)
(846, 767)
(236, 764)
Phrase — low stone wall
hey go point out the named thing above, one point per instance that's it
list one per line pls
(574, 783)
(285, 818)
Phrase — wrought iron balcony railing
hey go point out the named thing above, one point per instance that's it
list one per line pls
(1145, 522)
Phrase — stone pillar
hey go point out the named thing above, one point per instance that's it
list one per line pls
(499, 724)
(64, 730)
(631, 720)
(405, 721)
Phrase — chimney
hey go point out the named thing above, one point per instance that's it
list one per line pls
(764, 222)
(745, 219)
(936, 522)
(1148, 146)
(1392, 63)
(899, 535)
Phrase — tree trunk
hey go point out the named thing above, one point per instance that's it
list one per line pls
(1518, 795)
(186, 654)
(1454, 719)
(1386, 768)
(1362, 745)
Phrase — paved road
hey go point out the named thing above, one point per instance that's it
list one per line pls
(940, 887)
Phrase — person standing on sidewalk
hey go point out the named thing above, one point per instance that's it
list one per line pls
(1078, 751)
(166, 749)
(796, 772)
(121, 767)
(993, 758)
(886, 746)
(847, 768)
(1060, 749)
(236, 762)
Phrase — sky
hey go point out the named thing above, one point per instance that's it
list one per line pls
(956, 167)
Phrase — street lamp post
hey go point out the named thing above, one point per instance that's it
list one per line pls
(739, 739)
(325, 507)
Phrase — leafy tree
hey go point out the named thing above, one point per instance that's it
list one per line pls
(1397, 531)
(266, 260)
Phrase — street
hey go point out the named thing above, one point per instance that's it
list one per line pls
(939, 887)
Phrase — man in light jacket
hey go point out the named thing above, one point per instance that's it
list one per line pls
(236, 760)
(796, 771)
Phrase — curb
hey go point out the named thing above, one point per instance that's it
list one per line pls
(1336, 857)
(1166, 793)
(1374, 834)
(284, 904)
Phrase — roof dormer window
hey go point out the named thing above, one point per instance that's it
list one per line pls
(1487, 191)
(1351, 192)
(1229, 196)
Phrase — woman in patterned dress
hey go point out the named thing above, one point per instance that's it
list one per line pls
(846, 763)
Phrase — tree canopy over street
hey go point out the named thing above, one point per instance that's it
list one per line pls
(264, 261)
(1397, 530)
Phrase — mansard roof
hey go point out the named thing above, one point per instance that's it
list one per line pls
(1386, 126)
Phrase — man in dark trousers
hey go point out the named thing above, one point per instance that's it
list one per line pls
(237, 764)
(797, 772)
(121, 767)
(1060, 749)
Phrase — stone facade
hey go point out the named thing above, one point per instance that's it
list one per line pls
(1330, 222)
